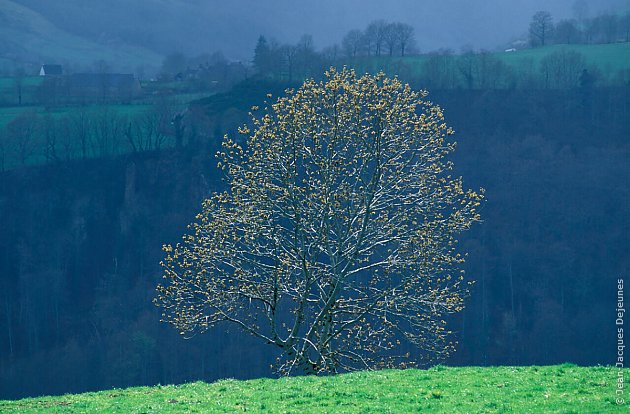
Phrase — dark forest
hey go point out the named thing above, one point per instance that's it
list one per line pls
(81, 245)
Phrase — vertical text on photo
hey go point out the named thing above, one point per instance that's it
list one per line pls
(619, 390)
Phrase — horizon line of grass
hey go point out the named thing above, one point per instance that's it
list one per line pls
(563, 388)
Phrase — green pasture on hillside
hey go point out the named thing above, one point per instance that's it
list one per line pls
(608, 58)
(125, 113)
(550, 389)
(7, 114)
(9, 89)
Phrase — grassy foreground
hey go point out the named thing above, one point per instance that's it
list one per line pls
(551, 389)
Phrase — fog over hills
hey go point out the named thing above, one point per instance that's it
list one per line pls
(199, 26)
(30, 39)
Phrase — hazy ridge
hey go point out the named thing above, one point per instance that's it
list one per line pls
(31, 39)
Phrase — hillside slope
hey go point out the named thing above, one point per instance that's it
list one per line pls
(28, 37)
(552, 389)
(608, 59)
(163, 26)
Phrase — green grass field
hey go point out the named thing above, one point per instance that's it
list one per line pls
(124, 113)
(608, 58)
(7, 82)
(551, 389)
(7, 114)
(9, 87)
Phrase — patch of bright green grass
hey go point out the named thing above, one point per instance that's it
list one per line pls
(123, 112)
(551, 389)
(608, 58)
(8, 82)
(29, 86)
(8, 114)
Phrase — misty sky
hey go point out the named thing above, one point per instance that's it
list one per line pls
(206, 26)
(438, 24)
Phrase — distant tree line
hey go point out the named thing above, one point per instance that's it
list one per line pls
(287, 61)
(484, 70)
(562, 69)
(603, 28)
(88, 132)
(442, 69)
(380, 38)
(292, 62)
(205, 72)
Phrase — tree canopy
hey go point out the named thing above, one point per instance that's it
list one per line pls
(336, 241)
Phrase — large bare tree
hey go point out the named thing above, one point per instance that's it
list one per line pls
(336, 240)
(352, 42)
(541, 28)
(376, 32)
(406, 39)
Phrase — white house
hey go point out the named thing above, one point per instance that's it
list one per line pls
(51, 70)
